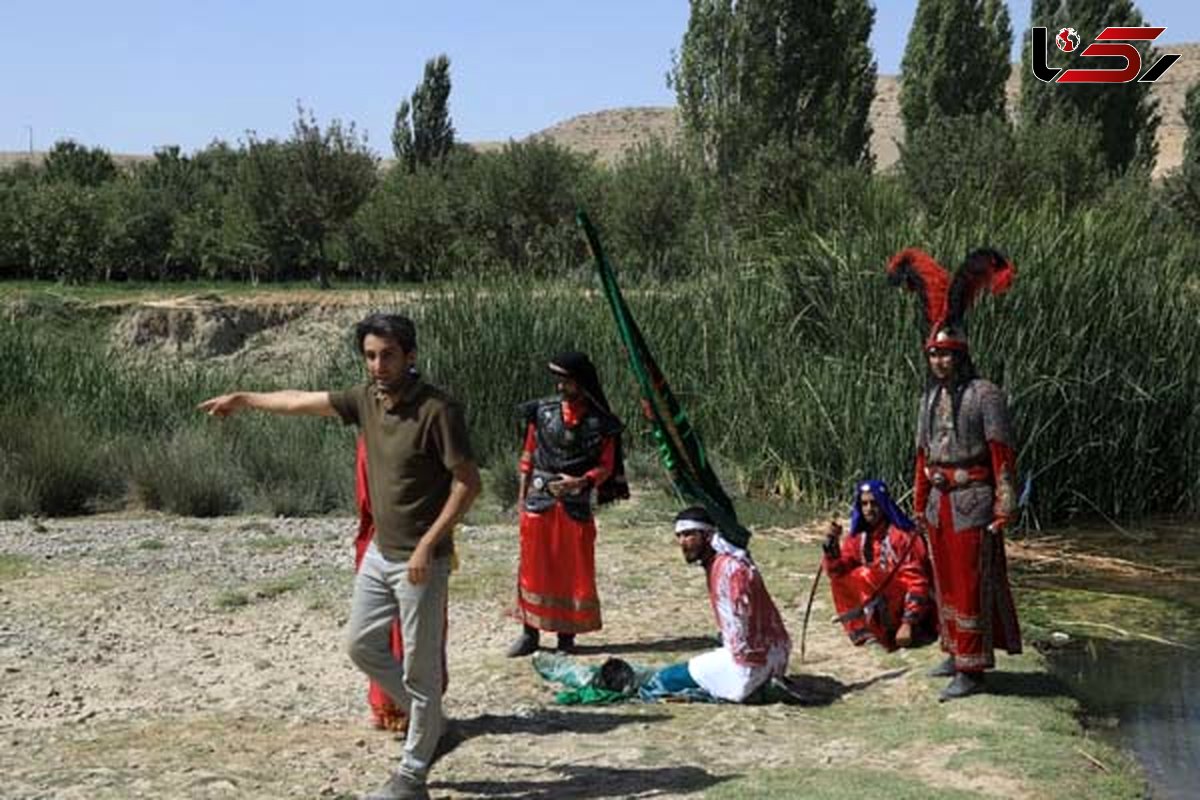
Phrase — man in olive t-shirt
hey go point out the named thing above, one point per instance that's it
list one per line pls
(422, 478)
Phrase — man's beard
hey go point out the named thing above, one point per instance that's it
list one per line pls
(395, 385)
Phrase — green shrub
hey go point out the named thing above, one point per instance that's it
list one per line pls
(190, 473)
(293, 467)
(650, 202)
(55, 464)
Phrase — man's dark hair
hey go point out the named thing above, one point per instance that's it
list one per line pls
(397, 327)
(696, 514)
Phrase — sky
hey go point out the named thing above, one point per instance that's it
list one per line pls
(133, 75)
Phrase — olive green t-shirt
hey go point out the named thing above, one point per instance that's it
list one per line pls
(411, 450)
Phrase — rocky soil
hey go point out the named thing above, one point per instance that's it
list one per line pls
(164, 657)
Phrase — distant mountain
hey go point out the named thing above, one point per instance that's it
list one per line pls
(609, 133)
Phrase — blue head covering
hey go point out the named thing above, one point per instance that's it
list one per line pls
(887, 505)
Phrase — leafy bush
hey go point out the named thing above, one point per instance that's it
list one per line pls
(55, 464)
(189, 473)
(649, 209)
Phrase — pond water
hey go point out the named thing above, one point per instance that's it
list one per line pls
(1152, 692)
(1133, 658)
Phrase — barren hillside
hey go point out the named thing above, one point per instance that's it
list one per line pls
(610, 132)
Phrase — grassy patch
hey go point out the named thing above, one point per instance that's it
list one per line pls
(271, 544)
(14, 566)
(280, 586)
(151, 544)
(230, 599)
(847, 782)
(257, 526)
(1104, 614)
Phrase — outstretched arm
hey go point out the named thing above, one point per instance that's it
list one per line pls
(287, 401)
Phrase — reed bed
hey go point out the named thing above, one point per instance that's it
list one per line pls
(797, 362)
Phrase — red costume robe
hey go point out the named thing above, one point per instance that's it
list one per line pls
(965, 484)
(556, 582)
(880, 580)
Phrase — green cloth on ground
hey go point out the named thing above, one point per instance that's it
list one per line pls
(589, 696)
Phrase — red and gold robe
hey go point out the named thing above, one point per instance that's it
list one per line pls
(965, 490)
(881, 579)
(556, 582)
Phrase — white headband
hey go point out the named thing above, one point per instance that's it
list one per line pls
(685, 525)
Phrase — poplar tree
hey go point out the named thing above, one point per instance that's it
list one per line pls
(755, 72)
(956, 61)
(423, 133)
(1126, 114)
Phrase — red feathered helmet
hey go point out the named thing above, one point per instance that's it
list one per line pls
(945, 300)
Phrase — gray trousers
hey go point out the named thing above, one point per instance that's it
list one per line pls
(381, 591)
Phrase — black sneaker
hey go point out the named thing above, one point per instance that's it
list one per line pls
(399, 787)
(525, 644)
(943, 670)
(963, 685)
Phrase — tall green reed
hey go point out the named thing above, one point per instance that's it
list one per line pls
(798, 364)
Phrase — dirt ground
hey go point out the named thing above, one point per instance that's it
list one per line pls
(180, 658)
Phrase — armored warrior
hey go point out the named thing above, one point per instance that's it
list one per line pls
(572, 447)
(964, 490)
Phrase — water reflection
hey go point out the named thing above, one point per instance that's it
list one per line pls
(1135, 583)
(1151, 689)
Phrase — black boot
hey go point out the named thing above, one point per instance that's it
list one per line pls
(943, 670)
(525, 644)
(963, 685)
(566, 643)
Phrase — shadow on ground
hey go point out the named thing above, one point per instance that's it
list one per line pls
(575, 781)
(549, 721)
(678, 644)
(1026, 684)
(815, 690)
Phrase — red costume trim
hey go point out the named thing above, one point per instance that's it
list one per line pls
(874, 597)
(556, 583)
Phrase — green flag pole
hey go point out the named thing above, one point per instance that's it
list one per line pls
(680, 448)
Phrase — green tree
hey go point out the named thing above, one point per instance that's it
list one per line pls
(651, 197)
(750, 72)
(516, 206)
(1191, 119)
(61, 229)
(956, 61)
(135, 231)
(1126, 114)
(71, 162)
(300, 193)
(1183, 186)
(423, 133)
(202, 241)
